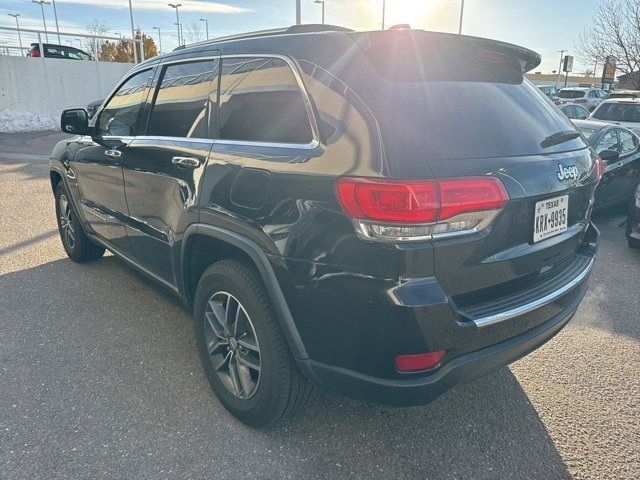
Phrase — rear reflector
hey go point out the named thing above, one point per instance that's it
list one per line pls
(422, 201)
(422, 361)
(600, 166)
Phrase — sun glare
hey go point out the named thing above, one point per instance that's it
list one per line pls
(413, 12)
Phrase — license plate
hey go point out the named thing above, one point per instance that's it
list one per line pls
(550, 217)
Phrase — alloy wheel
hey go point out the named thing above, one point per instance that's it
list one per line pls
(65, 221)
(232, 345)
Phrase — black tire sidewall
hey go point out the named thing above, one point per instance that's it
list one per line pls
(71, 251)
(263, 405)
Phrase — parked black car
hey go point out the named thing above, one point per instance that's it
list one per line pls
(58, 51)
(619, 149)
(633, 219)
(367, 212)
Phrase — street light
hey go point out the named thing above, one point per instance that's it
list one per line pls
(179, 25)
(206, 24)
(133, 36)
(176, 6)
(461, 15)
(16, 15)
(55, 15)
(384, 8)
(42, 3)
(159, 37)
(322, 2)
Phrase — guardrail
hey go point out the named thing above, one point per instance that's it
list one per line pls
(138, 50)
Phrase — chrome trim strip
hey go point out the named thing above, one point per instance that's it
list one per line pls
(529, 307)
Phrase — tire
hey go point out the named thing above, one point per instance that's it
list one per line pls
(262, 397)
(76, 243)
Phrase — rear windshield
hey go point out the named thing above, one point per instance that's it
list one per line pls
(454, 106)
(571, 94)
(618, 112)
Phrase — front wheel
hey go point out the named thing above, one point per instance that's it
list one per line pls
(76, 243)
(243, 352)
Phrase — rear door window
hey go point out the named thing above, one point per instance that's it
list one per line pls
(628, 142)
(608, 142)
(184, 97)
(261, 101)
(120, 116)
(571, 94)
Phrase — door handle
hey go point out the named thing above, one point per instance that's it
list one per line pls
(113, 153)
(186, 161)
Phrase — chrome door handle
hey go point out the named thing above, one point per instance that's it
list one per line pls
(113, 153)
(186, 161)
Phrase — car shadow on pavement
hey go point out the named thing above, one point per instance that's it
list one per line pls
(101, 378)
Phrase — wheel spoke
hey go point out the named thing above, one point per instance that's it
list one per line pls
(217, 345)
(214, 320)
(233, 373)
(249, 362)
(246, 381)
(248, 343)
(220, 365)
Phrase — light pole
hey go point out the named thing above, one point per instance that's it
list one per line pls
(42, 3)
(176, 6)
(560, 67)
(206, 25)
(55, 15)
(298, 14)
(461, 16)
(133, 34)
(384, 9)
(159, 37)
(322, 2)
(16, 15)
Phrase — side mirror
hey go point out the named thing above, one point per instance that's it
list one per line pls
(609, 156)
(75, 121)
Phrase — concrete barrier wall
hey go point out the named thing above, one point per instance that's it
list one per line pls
(49, 85)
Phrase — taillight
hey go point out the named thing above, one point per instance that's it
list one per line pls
(422, 361)
(581, 100)
(409, 210)
(35, 53)
(600, 166)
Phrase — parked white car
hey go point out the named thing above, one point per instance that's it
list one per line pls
(589, 98)
(622, 111)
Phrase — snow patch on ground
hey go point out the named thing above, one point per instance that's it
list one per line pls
(14, 121)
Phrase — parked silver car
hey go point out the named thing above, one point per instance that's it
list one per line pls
(589, 98)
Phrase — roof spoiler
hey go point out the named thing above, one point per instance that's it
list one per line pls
(493, 49)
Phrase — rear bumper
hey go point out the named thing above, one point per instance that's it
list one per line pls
(472, 350)
(417, 391)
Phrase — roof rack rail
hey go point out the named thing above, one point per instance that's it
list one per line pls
(306, 28)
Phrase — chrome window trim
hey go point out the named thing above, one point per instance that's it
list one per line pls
(293, 65)
(531, 306)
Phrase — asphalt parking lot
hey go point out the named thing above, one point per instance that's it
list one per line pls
(99, 378)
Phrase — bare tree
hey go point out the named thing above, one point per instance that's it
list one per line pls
(93, 45)
(616, 32)
(193, 32)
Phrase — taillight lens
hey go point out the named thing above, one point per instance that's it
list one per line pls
(35, 53)
(600, 166)
(422, 361)
(405, 210)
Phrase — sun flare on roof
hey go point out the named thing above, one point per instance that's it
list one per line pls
(413, 12)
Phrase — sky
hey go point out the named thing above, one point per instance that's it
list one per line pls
(545, 26)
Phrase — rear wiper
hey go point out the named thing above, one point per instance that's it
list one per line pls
(559, 137)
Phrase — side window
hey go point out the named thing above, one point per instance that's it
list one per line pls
(593, 94)
(261, 101)
(182, 101)
(608, 142)
(119, 116)
(628, 142)
(581, 113)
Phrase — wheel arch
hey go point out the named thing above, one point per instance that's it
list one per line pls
(55, 177)
(234, 245)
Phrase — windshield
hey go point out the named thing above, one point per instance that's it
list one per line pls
(618, 112)
(570, 94)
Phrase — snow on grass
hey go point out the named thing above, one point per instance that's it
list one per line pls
(14, 121)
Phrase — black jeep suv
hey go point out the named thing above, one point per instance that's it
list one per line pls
(381, 214)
